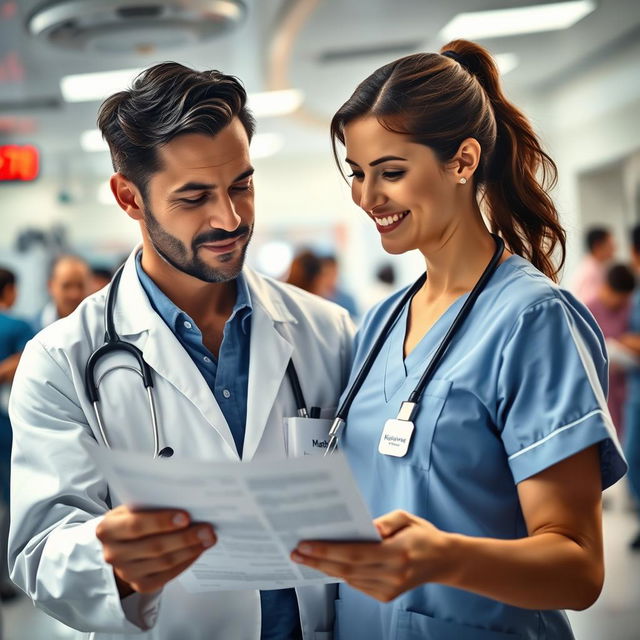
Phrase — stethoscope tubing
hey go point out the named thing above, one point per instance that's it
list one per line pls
(408, 407)
(113, 343)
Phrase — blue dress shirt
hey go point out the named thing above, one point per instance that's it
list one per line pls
(228, 377)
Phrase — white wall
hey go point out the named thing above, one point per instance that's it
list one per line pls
(588, 122)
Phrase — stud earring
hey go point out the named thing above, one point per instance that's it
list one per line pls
(462, 181)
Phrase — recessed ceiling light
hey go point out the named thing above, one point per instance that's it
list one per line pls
(274, 103)
(476, 25)
(506, 62)
(84, 87)
(92, 140)
(104, 194)
(264, 145)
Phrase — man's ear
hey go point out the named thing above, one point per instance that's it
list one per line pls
(465, 162)
(127, 196)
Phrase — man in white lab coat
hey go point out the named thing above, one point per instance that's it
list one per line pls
(218, 338)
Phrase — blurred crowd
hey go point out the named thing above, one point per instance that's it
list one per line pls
(611, 291)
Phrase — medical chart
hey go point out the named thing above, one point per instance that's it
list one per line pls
(260, 510)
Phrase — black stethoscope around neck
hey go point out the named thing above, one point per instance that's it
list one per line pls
(113, 344)
(409, 407)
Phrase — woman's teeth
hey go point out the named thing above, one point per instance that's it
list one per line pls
(385, 222)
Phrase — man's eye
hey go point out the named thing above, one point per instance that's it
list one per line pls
(242, 187)
(193, 201)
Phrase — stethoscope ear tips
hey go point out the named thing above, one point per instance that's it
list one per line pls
(167, 452)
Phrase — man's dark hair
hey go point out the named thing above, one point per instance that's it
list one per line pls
(596, 236)
(7, 278)
(635, 238)
(165, 101)
(621, 279)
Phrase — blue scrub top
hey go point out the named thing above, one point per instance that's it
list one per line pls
(521, 388)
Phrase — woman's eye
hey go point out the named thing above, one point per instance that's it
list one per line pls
(393, 175)
(356, 174)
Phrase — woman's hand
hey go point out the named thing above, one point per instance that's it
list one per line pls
(412, 552)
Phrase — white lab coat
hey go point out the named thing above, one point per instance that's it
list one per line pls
(59, 496)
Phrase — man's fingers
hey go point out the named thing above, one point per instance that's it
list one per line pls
(139, 570)
(156, 581)
(123, 524)
(158, 545)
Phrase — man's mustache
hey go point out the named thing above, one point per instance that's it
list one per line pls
(219, 235)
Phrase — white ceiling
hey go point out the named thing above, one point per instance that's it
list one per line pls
(334, 49)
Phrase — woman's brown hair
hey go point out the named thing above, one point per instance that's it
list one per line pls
(439, 101)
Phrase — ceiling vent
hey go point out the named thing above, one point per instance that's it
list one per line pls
(133, 26)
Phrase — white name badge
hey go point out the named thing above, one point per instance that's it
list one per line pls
(306, 436)
(396, 438)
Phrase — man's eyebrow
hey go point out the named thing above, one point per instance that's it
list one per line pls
(245, 174)
(205, 186)
(376, 162)
(195, 186)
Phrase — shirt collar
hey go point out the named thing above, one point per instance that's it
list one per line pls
(172, 314)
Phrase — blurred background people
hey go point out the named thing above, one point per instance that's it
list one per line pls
(14, 334)
(69, 284)
(305, 271)
(590, 273)
(329, 286)
(384, 284)
(632, 405)
(100, 277)
(611, 307)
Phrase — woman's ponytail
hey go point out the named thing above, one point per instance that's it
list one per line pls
(518, 172)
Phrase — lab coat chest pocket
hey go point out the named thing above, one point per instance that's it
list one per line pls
(426, 422)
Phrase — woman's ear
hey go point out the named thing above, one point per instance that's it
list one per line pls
(465, 162)
(127, 196)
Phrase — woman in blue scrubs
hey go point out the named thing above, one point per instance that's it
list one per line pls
(490, 516)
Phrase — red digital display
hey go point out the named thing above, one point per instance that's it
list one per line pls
(18, 162)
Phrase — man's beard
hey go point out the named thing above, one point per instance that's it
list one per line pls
(174, 251)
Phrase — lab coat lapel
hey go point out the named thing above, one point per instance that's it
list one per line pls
(164, 353)
(269, 355)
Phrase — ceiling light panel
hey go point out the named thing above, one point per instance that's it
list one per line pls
(498, 23)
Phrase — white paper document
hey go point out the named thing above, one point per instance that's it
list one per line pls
(260, 510)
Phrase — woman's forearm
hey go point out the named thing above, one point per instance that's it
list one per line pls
(543, 571)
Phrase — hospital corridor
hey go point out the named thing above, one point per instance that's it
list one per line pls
(320, 319)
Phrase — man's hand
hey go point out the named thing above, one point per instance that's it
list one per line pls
(149, 548)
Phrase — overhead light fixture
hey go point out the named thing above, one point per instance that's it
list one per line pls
(275, 103)
(476, 25)
(506, 62)
(264, 145)
(92, 140)
(84, 87)
(105, 195)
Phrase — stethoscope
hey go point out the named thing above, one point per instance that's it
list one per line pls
(409, 407)
(113, 344)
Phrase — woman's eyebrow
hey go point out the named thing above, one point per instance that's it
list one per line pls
(378, 161)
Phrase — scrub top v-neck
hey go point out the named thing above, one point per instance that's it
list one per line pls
(521, 388)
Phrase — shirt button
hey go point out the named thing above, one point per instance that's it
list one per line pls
(187, 325)
(207, 359)
(226, 393)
